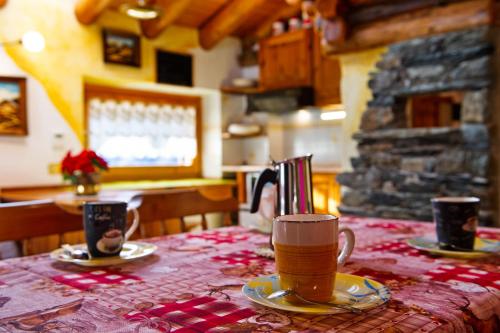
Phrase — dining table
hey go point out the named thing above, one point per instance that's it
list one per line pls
(193, 283)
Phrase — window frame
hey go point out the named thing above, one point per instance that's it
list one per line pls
(146, 96)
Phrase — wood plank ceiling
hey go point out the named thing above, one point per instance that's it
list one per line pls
(215, 19)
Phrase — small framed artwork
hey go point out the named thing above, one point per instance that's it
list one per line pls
(13, 118)
(122, 48)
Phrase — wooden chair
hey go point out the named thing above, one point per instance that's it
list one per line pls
(160, 206)
(23, 221)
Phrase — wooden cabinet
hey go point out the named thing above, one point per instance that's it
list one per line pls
(294, 59)
(326, 73)
(285, 60)
(326, 193)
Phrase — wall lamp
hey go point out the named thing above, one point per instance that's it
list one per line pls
(32, 41)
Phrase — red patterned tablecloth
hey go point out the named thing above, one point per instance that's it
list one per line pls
(193, 284)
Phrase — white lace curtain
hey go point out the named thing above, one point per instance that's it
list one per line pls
(128, 133)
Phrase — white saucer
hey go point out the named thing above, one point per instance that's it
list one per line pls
(131, 251)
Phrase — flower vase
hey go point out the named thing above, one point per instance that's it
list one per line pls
(87, 183)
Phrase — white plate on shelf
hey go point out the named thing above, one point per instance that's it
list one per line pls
(131, 251)
(242, 82)
(243, 129)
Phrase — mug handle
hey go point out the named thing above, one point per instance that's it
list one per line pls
(348, 246)
(135, 223)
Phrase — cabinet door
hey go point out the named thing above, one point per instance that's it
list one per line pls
(326, 76)
(285, 61)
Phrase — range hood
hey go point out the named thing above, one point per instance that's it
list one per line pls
(280, 101)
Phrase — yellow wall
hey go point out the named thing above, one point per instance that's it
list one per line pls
(73, 50)
(355, 95)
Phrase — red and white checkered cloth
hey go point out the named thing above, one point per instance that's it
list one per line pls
(193, 284)
(92, 279)
(193, 316)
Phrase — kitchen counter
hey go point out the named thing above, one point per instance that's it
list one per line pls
(53, 192)
(165, 184)
(257, 168)
(326, 190)
(244, 168)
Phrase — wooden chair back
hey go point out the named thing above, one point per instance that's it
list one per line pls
(21, 221)
(180, 203)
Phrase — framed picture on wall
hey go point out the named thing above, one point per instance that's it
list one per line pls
(13, 118)
(122, 48)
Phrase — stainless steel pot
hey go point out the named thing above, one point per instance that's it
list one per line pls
(293, 179)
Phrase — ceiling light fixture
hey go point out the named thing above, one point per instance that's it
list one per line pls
(141, 10)
(303, 116)
(32, 41)
(333, 115)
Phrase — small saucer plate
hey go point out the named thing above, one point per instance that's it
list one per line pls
(482, 248)
(352, 290)
(130, 251)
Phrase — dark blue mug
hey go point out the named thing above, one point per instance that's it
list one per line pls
(456, 220)
(105, 227)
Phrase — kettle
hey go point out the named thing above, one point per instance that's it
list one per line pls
(293, 179)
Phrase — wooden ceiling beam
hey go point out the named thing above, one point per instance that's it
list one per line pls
(172, 10)
(496, 13)
(359, 3)
(418, 23)
(87, 11)
(226, 21)
(382, 11)
(266, 26)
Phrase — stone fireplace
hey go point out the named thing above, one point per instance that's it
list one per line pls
(426, 132)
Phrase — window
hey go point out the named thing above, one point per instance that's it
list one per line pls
(174, 68)
(137, 130)
(437, 110)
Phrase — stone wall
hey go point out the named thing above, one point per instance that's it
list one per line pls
(400, 169)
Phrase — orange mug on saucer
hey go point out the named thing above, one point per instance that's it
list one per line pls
(306, 248)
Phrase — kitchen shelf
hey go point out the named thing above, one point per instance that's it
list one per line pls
(229, 136)
(241, 90)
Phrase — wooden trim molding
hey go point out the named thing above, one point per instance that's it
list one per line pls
(141, 173)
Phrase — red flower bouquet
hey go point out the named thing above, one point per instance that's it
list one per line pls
(84, 163)
(83, 170)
